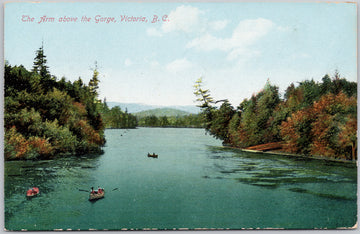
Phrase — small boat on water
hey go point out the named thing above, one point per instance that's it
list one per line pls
(34, 191)
(96, 195)
(152, 155)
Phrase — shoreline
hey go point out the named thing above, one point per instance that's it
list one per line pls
(293, 155)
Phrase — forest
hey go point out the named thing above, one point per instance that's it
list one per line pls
(312, 118)
(186, 121)
(116, 118)
(45, 117)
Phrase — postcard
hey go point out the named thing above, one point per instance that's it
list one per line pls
(180, 115)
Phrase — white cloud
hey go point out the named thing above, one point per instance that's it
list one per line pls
(208, 43)
(184, 18)
(218, 25)
(128, 62)
(153, 32)
(179, 65)
(244, 35)
(188, 19)
(154, 63)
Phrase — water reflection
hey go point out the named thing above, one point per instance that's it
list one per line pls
(191, 185)
(327, 179)
(50, 176)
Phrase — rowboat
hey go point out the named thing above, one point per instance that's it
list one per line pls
(96, 195)
(152, 155)
(34, 191)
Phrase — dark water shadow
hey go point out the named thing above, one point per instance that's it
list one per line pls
(276, 171)
(324, 195)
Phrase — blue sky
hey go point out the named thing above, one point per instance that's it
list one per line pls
(235, 47)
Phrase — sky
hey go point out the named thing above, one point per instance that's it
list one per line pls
(235, 47)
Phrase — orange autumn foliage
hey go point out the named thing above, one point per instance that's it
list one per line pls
(326, 128)
(41, 145)
(80, 108)
(347, 136)
(20, 147)
(18, 142)
(328, 123)
(89, 133)
(291, 129)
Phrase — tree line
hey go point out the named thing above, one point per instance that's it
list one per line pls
(312, 118)
(116, 118)
(45, 117)
(186, 121)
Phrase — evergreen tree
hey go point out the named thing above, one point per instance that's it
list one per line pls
(44, 118)
(220, 124)
(40, 67)
(94, 82)
(203, 95)
(40, 61)
(206, 101)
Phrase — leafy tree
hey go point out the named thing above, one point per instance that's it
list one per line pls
(234, 124)
(333, 115)
(164, 122)
(220, 123)
(115, 117)
(311, 92)
(347, 136)
(46, 118)
(257, 125)
(323, 128)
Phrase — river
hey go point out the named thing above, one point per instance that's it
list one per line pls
(194, 183)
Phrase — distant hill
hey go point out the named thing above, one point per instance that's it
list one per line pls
(161, 112)
(137, 107)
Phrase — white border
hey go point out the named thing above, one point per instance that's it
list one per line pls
(3, 2)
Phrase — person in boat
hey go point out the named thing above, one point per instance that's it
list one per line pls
(92, 190)
(100, 190)
(31, 192)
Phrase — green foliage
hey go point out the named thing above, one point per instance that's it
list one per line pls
(168, 117)
(40, 60)
(19, 79)
(220, 123)
(44, 117)
(206, 102)
(185, 121)
(94, 82)
(313, 118)
(258, 122)
(41, 68)
(116, 118)
(158, 112)
(62, 139)
(203, 95)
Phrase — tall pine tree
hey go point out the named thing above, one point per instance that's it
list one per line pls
(94, 82)
(40, 60)
(40, 67)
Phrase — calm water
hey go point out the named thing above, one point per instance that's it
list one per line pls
(195, 183)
